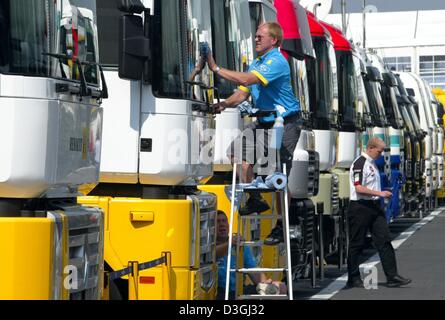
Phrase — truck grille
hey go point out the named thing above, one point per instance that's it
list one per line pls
(313, 173)
(86, 252)
(302, 217)
(207, 229)
(402, 160)
(408, 168)
(335, 197)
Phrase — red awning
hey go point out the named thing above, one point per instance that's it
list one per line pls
(317, 29)
(296, 33)
(340, 42)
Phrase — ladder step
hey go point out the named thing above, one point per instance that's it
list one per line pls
(247, 270)
(257, 216)
(261, 190)
(252, 243)
(263, 296)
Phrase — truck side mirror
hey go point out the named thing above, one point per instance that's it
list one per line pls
(134, 47)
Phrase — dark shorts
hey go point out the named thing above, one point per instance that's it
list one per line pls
(252, 145)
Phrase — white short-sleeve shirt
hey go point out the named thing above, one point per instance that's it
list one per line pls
(364, 172)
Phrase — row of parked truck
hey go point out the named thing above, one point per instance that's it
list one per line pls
(111, 152)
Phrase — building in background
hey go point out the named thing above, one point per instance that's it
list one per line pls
(408, 34)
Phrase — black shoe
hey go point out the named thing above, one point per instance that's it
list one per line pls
(397, 281)
(275, 237)
(254, 204)
(356, 283)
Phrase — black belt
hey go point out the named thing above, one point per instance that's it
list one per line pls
(368, 202)
(292, 117)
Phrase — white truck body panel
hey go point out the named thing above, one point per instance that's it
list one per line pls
(325, 145)
(228, 125)
(120, 146)
(50, 142)
(182, 141)
(300, 181)
(346, 149)
(181, 148)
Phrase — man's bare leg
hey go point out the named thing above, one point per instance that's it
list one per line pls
(246, 173)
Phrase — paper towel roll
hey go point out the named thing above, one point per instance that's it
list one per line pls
(277, 181)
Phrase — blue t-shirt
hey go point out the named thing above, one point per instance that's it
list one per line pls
(249, 262)
(275, 89)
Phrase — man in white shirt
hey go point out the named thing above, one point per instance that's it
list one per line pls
(365, 213)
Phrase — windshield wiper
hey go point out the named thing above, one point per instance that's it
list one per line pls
(59, 57)
(104, 92)
(208, 108)
(84, 90)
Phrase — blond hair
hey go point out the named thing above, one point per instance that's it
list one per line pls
(274, 30)
(375, 142)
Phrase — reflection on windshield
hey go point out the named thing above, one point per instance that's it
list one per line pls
(77, 39)
(28, 29)
(332, 72)
(232, 46)
(300, 82)
(180, 27)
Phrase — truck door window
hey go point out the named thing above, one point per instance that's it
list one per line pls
(333, 80)
(77, 38)
(349, 90)
(179, 28)
(300, 82)
(231, 38)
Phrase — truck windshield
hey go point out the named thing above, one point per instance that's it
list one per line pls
(362, 98)
(433, 101)
(375, 103)
(414, 117)
(179, 29)
(348, 90)
(389, 96)
(407, 119)
(398, 121)
(426, 103)
(231, 34)
(322, 80)
(30, 28)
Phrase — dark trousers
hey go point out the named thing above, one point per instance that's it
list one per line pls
(364, 216)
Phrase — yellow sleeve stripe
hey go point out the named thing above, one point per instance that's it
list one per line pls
(263, 80)
(245, 89)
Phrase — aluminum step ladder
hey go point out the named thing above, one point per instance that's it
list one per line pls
(236, 190)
